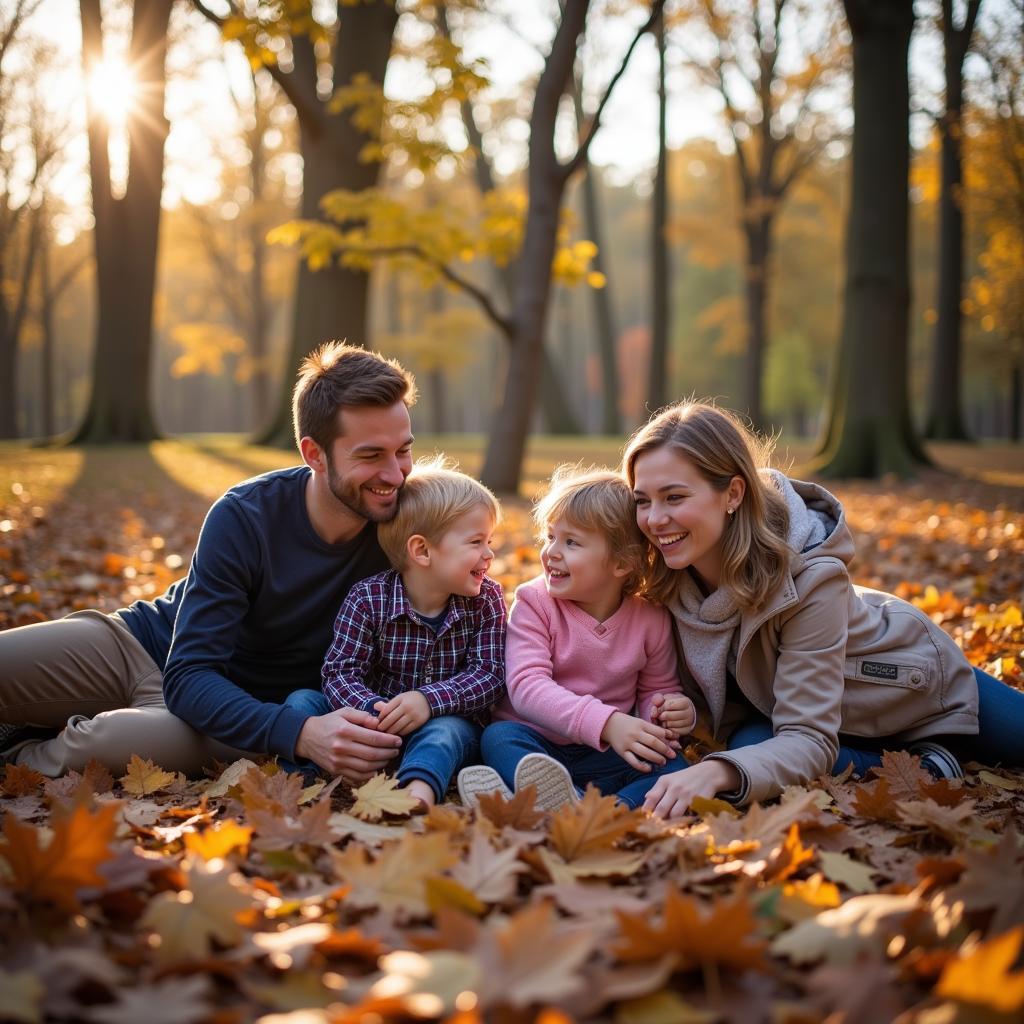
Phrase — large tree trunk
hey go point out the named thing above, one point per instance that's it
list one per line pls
(259, 307)
(657, 380)
(758, 234)
(8, 371)
(945, 411)
(506, 444)
(332, 303)
(127, 233)
(870, 420)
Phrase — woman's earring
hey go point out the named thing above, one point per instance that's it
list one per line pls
(731, 511)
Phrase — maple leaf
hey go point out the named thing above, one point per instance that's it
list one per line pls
(491, 875)
(945, 821)
(531, 958)
(803, 899)
(788, 858)
(352, 944)
(218, 841)
(840, 868)
(55, 872)
(278, 792)
(982, 976)
(143, 777)
(864, 993)
(20, 780)
(380, 796)
(519, 812)
(723, 934)
(310, 827)
(206, 909)
(903, 773)
(230, 777)
(875, 801)
(446, 892)
(994, 879)
(175, 1001)
(395, 879)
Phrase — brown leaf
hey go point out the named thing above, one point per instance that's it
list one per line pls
(904, 774)
(20, 780)
(278, 792)
(945, 821)
(491, 875)
(724, 933)
(875, 801)
(519, 812)
(309, 827)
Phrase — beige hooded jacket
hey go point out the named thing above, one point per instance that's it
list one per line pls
(820, 657)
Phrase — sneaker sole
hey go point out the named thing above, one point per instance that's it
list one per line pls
(476, 780)
(943, 759)
(553, 782)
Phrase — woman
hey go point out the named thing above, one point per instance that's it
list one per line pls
(802, 670)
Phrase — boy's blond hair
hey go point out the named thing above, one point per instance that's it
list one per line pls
(433, 497)
(599, 500)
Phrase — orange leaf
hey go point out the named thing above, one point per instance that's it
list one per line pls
(218, 841)
(55, 872)
(789, 857)
(20, 780)
(518, 812)
(723, 934)
(984, 977)
(875, 801)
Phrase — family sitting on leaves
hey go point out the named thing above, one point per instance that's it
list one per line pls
(338, 615)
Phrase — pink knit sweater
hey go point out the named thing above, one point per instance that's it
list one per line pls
(567, 673)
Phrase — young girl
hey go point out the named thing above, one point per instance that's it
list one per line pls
(583, 654)
(801, 671)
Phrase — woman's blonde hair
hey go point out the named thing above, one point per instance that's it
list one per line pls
(434, 496)
(755, 555)
(599, 500)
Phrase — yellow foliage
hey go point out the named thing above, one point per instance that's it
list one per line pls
(204, 348)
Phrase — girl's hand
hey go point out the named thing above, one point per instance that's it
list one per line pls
(672, 794)
(402, 714)
(674, 712)
(640, 744)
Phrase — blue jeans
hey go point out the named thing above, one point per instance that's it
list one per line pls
(505, 744)
(433, 753)
(1000, 737)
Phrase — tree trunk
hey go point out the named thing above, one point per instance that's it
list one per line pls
(259, 315)
(870, 419)
(47, 302)
(657, 384)
(758, 234)
(332, 303)
(8, 371)
(1016, 390)
(127, 234)
(945, 416)
(506, 444)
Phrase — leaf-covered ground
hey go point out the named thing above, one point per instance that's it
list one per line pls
(246, 897)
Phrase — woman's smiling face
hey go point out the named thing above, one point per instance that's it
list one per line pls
(680, 513)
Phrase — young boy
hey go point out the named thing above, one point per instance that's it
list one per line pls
(422, 645)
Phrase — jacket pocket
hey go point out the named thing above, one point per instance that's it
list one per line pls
(888, 670)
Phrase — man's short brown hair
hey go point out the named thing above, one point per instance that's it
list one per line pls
(337, 376)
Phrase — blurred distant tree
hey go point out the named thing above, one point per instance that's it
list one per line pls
(777, 66)
(28, 146)
(869, 431)
(233, 233)
(126, 228)
(945, 418)
(314, 64)
(995, 179)
(657, 378)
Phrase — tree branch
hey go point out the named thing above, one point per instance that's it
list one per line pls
(582, 152)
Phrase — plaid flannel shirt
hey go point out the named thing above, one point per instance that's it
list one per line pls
(381, 648)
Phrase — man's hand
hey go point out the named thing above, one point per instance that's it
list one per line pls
(671, 795)
(404, 713)
(348, 743)
(674, 712)
(639, 743)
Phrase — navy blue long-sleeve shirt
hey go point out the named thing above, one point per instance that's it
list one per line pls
(253, 619)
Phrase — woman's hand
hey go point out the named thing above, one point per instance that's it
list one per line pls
(674, 712)
(640, 744)
(402, 714)
(671, 795)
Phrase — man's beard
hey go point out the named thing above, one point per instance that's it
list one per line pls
(351, 496)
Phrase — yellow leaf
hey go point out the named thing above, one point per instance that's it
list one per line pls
(704, 806)
(144, 777)
(185, 922)
(22, 996)
(663, 1007)
(219, 840)
(446, 892)
(381, 796)
(840, 868)
(984, 977)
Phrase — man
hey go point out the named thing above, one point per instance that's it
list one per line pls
(250, 623)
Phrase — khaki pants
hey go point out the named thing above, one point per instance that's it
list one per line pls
(87, 675)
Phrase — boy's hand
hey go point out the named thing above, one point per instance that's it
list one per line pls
(403, 713)
(640, 744)
(674, 712)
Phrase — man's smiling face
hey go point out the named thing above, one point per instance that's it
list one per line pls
(369, 461)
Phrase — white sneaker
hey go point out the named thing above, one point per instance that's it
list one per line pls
(552, 779)
(937, 759)
(478, 779)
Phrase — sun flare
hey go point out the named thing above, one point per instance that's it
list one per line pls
(112, 89)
